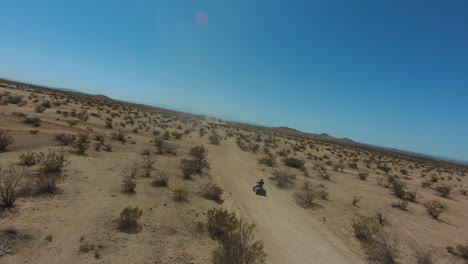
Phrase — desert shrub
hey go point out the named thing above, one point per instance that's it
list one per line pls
(100, 138)
(381, 217)
(188, 168)
(435, 208)
(283, 179)
(18, 114)
(399, 189)
(444, 190)
(52, 162)
(323, 194)
(128, 186)
(87, 247)
(97, 146)
(107, 147)
(213, 192)
(119, 136)
(5, 140)
(403, 205)
(161, 180)
(462, 251)
(81, 144)
(127, 222)
(363, 176)
(240, 247)
(424, 258)
(64, 139)
(34, 121)
(215, 139)
(293, 162)
(28, 159)
(72, 123)
(45, 104)
(365, 228)
(46, 183)
(34, 132)
(39, 109)
(382, 250)
(14, 99)
(177, 135)
(356, 200)
(221, 223)
(305, 198)
(9, 180)
(108, 124)
(426, 184)
(180, 195)
(269, 160)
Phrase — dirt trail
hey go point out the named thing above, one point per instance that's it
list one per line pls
(289, 232)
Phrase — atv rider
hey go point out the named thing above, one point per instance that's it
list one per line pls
(260, 184)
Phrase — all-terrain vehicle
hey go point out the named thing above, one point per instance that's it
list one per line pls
(258, 188)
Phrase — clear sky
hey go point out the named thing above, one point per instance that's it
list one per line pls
(387, 72)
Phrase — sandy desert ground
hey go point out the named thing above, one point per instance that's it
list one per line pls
(307, 216)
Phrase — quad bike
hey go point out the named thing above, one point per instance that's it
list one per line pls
(259, 190)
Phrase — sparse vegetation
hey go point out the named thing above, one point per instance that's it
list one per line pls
(128, 220)
(435, 208)
(9, 181)
(283, 179)
(128, 186)
(5, 140)
(213, 192)
(180, 195)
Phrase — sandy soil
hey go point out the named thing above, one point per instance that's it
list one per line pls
(54, 227)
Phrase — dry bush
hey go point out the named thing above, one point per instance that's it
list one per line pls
(435, 208)
(28, 159)
(97, 146)
(221, 223)
(52, 162)
(188, 168)
(215, 139)
(366, 228)
(444, 190)
(108, 124)
(356, 200)
(127, 222)
(269, 160)
(64, 139)
(213, 192)
(180, 195)
(39, 109)
(101, 138)
(424, 258)
(9, 180)
(147, 166)
(305, 198)
(161, 180)
(81, 144)
(5, 140)
(86, 247)
(119, 136)
(283, 179)
(462, 251)
(128, 186)
(381, 217)
(163, 147)
(72, 123)
(382, 250)
(107, 147)
(294, 162)
(403, 205)
(240, 247)
(363, 176)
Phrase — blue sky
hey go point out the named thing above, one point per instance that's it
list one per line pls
(390, 72)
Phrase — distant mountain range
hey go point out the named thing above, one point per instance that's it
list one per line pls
(283, 130)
